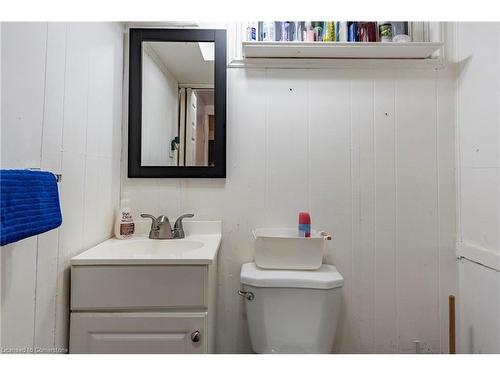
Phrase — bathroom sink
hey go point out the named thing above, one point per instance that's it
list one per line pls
(142, 246)
(137, 248)
(200, 246)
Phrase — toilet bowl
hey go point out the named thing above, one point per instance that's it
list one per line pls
(291, 311)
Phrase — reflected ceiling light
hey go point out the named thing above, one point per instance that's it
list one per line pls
(207, 50)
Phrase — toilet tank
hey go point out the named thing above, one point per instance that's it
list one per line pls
(292, 311)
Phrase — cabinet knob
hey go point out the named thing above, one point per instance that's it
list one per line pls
(195, 336)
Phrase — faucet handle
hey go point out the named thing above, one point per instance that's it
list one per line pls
(178, 222)
(154, 231)
(149, 217)
(178, 229)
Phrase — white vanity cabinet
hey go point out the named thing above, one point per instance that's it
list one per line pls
(162, 301)
(142, 309)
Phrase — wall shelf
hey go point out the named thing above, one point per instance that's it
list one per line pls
(299, 63)
(339, 50)
(318, 55)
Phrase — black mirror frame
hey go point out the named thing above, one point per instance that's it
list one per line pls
(139, 35)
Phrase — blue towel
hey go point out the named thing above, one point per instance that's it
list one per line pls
(29, 204)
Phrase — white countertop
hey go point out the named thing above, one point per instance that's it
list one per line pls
(200, 246)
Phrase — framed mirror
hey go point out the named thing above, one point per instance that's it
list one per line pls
(177, 103)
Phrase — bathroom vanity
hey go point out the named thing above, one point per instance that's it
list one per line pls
(146, 296)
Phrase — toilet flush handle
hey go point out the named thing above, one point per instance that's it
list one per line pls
(248, 295)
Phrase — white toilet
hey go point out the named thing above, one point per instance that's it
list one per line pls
(291, 311)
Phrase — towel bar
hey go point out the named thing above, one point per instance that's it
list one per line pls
(58, 175)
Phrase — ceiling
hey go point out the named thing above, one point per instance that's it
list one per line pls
(185, 61)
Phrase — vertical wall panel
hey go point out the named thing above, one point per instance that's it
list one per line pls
(480, 325)
(54, 93)
(478, 115)
(23, 72)
(478, 94)
(48, 243)
(385, 310)
(100, 95)
(107, 198)
(23, 79)
(18, 293)
(479, 129)
(72, 190)
(329, 175)
(363, 235)
(244, 197)
(91, 209)
(100, 194)
(448, 276)
(76, 94)
(417, 226)
(287, 122)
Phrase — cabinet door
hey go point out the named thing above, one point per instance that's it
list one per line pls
(138, 333)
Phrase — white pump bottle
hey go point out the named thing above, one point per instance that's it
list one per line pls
(124, 222)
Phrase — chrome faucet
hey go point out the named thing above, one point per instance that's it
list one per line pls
(162, 230)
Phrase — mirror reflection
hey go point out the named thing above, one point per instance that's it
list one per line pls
(178, 115)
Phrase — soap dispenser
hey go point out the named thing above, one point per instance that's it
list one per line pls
(124, 222)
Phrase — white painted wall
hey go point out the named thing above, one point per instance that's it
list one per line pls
(61, 111)
(480, 308)
(478, 103)
(370, 153)
(160, 111)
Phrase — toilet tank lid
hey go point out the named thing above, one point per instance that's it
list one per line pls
(326, 277)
